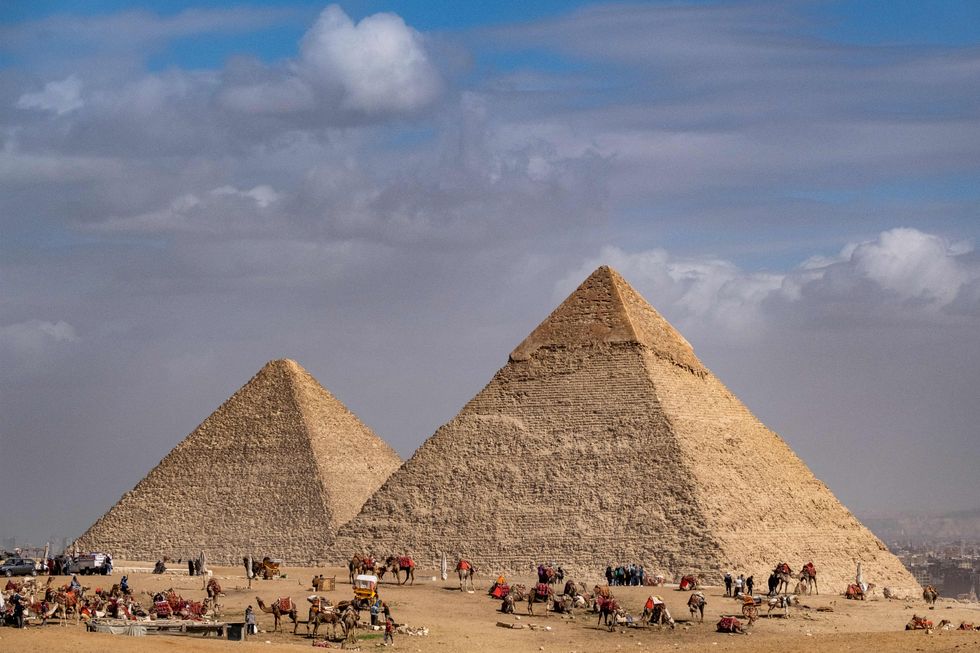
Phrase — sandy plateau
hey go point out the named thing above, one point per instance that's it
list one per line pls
(460, 621)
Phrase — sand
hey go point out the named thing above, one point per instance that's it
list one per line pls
(460, 621)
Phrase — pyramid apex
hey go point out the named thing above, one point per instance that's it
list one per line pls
(606, 309)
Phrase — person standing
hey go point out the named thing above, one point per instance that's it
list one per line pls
(389, 632)
(739, 582)
(728, 583)
(190, 567)
(749, 584)
(250, 626)
(18, 602)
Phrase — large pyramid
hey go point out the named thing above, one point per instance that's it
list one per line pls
(274, 471)
(605, 439)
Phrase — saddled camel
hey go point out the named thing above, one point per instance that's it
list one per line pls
(466, 571)
(696, 603)
(540, 593)
(808, 579)
(328, 614)
(359, 564)
(277, 612)
(398, 564)
(608, 607)
(783, 576)
(929, 595)
(660, 616)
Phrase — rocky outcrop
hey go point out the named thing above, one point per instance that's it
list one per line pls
(605, 439)
(273, 471)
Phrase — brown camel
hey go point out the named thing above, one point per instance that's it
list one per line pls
(466, 571)
(808, 579)
(541, 593)
(929, 595)
(696, 603)
(277, 611)
(398, 564)
(327, 614)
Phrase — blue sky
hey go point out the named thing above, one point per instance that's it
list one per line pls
(395, 194)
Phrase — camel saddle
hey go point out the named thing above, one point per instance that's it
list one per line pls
(463, 565)
(853, 591)
(162, 608)
(405, 562)
(285, 604)
(810, 569)
(542, 589)
(500, 591)
(729, 625)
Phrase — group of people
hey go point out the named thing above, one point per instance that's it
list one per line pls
(631, 574)
(736, 586)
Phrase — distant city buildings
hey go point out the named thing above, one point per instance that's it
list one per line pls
(953, 568)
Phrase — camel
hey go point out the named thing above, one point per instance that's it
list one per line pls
(696, 603)
(808, 579)
(327, 614)
(929, 595)
(918, 623)
(542, 593)
(398, 564)
(465, 570)
(214, 589)
(563, 604)
(783, 577)
(783, 601)
(364, 565)
(855, 592)
(277, 611)
(660, 616)
(348, 620)
(608, 606)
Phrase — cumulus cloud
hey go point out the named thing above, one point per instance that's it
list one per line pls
(379, 64)
(59, 97)
(369, 69)
(902, 274)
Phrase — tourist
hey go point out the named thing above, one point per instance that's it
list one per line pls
(375, 610)
(250, 626)
(609, 574)
(389, 632)
(107, 565)
(728, 583)
(18, 602)
(739, 582)
(749, 584)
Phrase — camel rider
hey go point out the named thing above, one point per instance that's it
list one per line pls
(74, 585)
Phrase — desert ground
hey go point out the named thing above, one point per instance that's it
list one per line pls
(462, 621)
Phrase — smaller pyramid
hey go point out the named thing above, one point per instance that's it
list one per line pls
(274, 471)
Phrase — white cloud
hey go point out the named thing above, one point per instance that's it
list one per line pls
(34, 336)
(380, 64)
(58, 97)
(262, 194)
(903, 273)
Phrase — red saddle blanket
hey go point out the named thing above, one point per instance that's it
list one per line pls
(161, 608)
(541, 589)
(729, 625)
(285, 604)
(500, 591)
(405, 562)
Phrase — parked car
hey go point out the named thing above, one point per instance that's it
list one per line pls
(19, 567)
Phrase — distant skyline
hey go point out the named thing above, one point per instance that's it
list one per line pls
(395, 194)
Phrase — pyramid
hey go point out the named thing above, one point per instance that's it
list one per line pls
(604, 439)
(274, 471)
